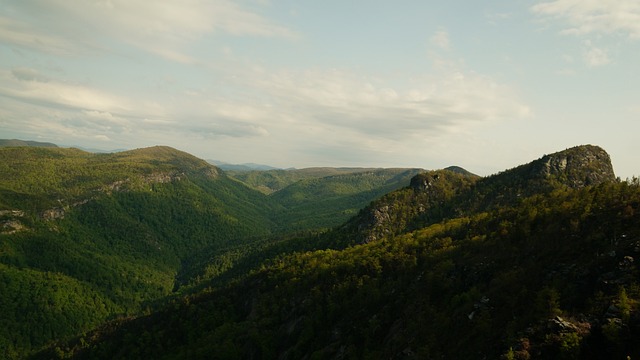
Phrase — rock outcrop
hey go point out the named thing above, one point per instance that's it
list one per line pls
(576, 167)
(11, 221)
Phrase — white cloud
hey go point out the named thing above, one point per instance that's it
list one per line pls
(102, 137)
(164, 28)
(594, 56)
(241, 107)
(309, 113)
(33, 102)
(28, 74)
(594, 16)
(365, 108)
(441, 39)
(29, 86)
(24, 35)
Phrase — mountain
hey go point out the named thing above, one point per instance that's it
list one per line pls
(272, 181)
(88, 237)
(312, 202)
(454, 192)
(536, 262)
(15, 142)
(459, 170)
(241, 167)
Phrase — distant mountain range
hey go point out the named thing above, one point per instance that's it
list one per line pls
(241, 167)
(15, 142)
(156, 254)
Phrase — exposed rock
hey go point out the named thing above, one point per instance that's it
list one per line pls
(12, 213)
(11, 223)
(115, 186)
(153, 178)
(576, 167)
(53, 214)
(211, 172)
(558, 324)
(162, 178)
(374, 224)
(11, 226)
(423, 182)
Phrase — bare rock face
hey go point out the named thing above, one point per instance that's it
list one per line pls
(10, 221)
(374, 226)
(53, 214)
(576, 167)
(424, 181)
(11, 226)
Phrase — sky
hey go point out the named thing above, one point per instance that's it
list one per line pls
(485, 85)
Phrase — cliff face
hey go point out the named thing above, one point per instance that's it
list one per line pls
(576, 167)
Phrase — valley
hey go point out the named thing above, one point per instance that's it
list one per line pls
(154, 253)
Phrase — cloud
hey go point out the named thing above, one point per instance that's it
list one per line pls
(28, 74)
(441, 39)
(29, 86)
(594, 16)
(364, 108)
(241, 107)
(594, 56)
(165, 28)
(301, 114)
(33, 102)
(102, 137)
(24, 35)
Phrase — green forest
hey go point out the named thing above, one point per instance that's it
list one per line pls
(155, 254)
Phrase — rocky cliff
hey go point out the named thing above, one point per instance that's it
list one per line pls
(575, 167)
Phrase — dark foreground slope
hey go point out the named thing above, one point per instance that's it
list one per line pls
(526, 264)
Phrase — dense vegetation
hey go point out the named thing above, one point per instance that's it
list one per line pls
(111, 230)
(91, 237)
(274, 180)
(312, 203)
(154, 253)
(466, 287)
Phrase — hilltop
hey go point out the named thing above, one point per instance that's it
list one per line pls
(16, 142)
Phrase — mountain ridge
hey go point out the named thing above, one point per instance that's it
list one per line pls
(464, 192)
(16, 142)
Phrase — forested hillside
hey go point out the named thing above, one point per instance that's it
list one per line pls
(274, 180)
(85, 237)
(535, 262)
(312, 203)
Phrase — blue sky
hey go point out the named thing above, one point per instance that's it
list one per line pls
(486, 85)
